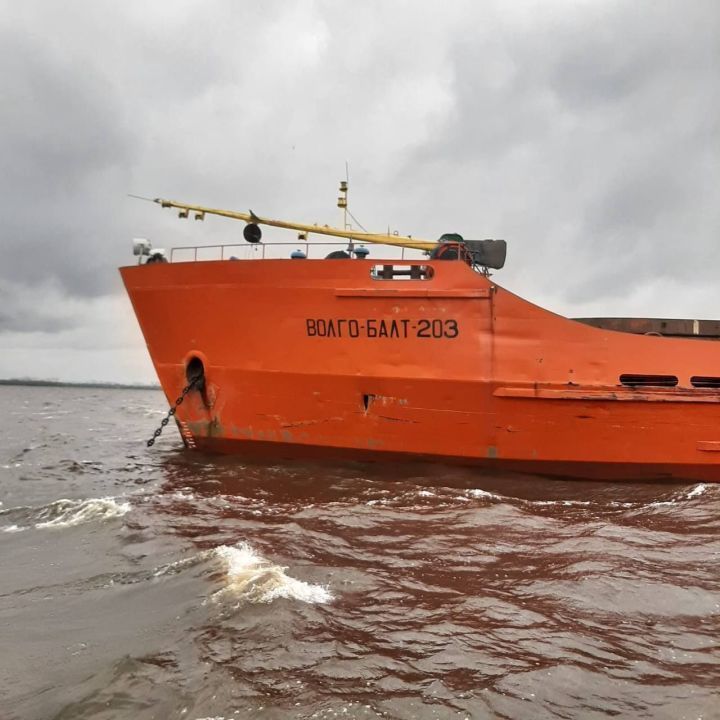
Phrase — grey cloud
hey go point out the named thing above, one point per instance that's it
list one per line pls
(100, 102)
(63, 148)
(21, 313)
(586, 134)
(590, 133)
(31, 321)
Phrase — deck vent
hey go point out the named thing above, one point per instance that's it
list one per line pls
(705, 381)
(649, 380)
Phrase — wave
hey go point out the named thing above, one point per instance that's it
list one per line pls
(487, 495)
(252, 578)
(565, 503)
(691, 494)
(448, 497)
(697, 490)
(249, 577)
(65, 513)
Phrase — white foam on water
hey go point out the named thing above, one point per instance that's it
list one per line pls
(182, 495)
(12, 528)
(11, 510)
(67, 513)
(697, 490)
(478, 493)
(566, 503)
(692, 493)
(253, 578)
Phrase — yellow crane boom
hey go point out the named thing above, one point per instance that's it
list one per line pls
(250, 217)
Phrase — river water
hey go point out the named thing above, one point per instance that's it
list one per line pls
(160, 583)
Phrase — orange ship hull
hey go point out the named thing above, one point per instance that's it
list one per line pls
(327, 358)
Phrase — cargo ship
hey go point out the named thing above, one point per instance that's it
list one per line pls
(419, 357)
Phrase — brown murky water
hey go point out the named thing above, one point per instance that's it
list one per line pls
(140, 583)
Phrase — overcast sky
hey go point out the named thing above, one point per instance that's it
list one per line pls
(584, 132)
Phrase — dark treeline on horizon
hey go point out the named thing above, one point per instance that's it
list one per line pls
(58, 383)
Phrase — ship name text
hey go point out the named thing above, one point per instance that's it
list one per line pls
(431, 329)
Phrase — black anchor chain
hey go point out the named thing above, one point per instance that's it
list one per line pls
(173, 410)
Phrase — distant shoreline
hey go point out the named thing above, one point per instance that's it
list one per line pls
(88, 385)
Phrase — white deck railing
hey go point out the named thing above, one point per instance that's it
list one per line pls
(277, 250)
